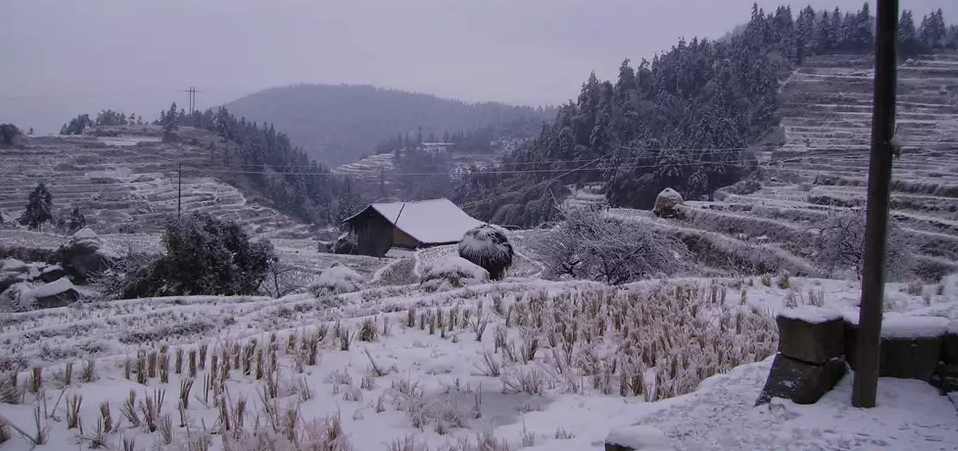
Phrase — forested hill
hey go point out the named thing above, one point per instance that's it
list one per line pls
(689, 119)
(256, 153)
(337, 124)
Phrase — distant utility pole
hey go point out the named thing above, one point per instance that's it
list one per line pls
(179, 189)
(192, 91)
(865, 385)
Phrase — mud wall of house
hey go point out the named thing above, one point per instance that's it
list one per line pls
(373, 234)
(402, 239)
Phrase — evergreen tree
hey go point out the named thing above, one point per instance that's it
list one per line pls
(76, 221)
(835, 31)
(862, 37)
(952, 40)
(848, 29)
(8, 134)
(805, 42)
(824, 41)
(933, 31)
(77, 125)
(39, 208)
(170, 120)
(908, 42)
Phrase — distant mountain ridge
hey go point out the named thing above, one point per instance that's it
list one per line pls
(338, 124)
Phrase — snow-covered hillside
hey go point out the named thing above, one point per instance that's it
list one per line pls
(518, 364)
(129, 182)
(821, 170)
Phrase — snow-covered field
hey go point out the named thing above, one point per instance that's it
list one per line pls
(521, 363)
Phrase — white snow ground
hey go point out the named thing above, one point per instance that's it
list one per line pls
(439, 379)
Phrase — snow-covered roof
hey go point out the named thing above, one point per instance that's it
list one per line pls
(434, 221)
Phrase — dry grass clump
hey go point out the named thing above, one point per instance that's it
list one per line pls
(451, 271)
(278, 428)
(616, 339)
(915, 288)
(399, 272)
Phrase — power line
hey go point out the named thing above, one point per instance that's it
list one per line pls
(195, 171)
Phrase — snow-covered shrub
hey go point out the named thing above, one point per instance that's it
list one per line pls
(285, 278)
(744, 187)
(488, 247)
(590, 245)
(452, 271)
(839, 246)
(204, 255)
(336, 279)
(129, 270)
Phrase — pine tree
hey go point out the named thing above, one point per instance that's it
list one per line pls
(170, 120)
(952, 40)
(836, 30)
(8, 134)
(849, 28)
(39, 207)
(863, 38)
(908, 41)
(805, 39)
(824, 41)
(76, 221)
(933, 31)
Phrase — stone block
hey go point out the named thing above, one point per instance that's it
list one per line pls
(52, 273)
(946, 378)
(909, 358)
(949, 344)
(638, 438)
(58, 293)
(811, 334)
(911, 347)
(801, 382)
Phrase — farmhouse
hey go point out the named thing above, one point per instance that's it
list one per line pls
(411, 225)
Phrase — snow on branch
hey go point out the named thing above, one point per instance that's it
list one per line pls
(590, 245)
(839, 246)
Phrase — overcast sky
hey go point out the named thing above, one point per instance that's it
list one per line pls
(62, 57)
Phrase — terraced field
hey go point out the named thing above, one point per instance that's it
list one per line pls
(129, 183)
(823, 166)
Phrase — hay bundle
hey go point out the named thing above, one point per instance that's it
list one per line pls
(487, 247)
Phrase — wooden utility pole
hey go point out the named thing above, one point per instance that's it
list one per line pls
(876, 224)
(179, 189)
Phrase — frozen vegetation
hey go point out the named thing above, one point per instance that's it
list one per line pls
(518, 363)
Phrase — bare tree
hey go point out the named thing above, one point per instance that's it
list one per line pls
(281, 280)
(591, 245)
(839, 246)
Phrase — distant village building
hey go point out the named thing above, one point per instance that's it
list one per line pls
(410, 225)
(436, 147)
